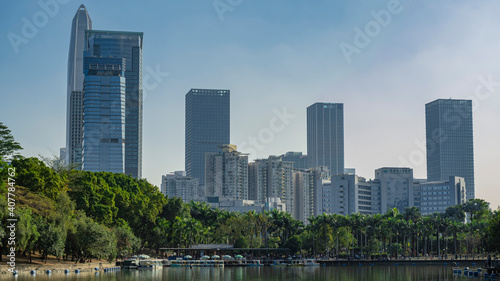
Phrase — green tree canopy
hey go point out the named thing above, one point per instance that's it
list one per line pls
(492, 232)
(8, 146)
(476, 208)
(33, 174)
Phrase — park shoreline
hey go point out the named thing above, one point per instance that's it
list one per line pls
(23, 265)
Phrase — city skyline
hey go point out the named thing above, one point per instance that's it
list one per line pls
(293, 65)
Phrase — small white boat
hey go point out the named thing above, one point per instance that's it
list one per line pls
(311, 262)
(280, 263)
(130, 264)
(253, 263)
(150, 264)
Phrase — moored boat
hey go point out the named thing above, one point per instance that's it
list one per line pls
(130, 264)
(150, 264)
(253, 263)
(311, 262)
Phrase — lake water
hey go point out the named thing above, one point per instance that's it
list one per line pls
(378, 272)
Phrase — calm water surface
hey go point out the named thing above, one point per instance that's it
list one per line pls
(263, 273)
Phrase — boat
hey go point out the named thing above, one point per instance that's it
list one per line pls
(150, 264)
(197, 263)
(166, 262)
(175, 263)
(130, 264)
(280, 263)
(296, 263)
(310, 262)
(253, 263)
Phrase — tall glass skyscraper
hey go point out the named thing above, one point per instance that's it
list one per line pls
(74, 111)
(207, 128)
(450, 146)
(104, 115)
(127, 46)
(325, 136)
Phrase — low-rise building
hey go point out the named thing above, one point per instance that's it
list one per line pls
(436, 196)
(177, 184)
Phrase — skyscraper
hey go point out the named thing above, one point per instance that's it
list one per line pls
(450, 146)
(74, 111)
(325, 136)
(207, 128)
(127, 46)
(104, 115)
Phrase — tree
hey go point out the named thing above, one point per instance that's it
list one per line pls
(33, 174)
(88, 239)
(58, 164)
(52, 239)
(127, 243)
(294, 244)
(455, 213)
(412, 213)
(8, 146)
(476, 208)
(3, 221)
(241, 243)
(493, 242)
(27, 232)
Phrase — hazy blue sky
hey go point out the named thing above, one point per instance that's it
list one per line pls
(273, 56)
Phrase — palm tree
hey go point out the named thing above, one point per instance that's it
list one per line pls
(358, 224)
(193, 228)
(427, 229)
(338, 221)
(325, 230)
(419, 230)
(178, 227)
(439, 224)
(455, 227)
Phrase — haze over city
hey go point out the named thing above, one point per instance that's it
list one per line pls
(276, 59)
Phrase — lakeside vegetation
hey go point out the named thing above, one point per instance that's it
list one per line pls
(79, 215)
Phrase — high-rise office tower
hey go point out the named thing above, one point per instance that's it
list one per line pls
(104, 115)
(126, 45)
(74, 111)
(450, 146)
(207, 128)
(325, 136)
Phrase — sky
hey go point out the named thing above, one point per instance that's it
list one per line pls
(383, 59)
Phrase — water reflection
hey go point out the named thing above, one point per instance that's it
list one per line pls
(375, 273)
